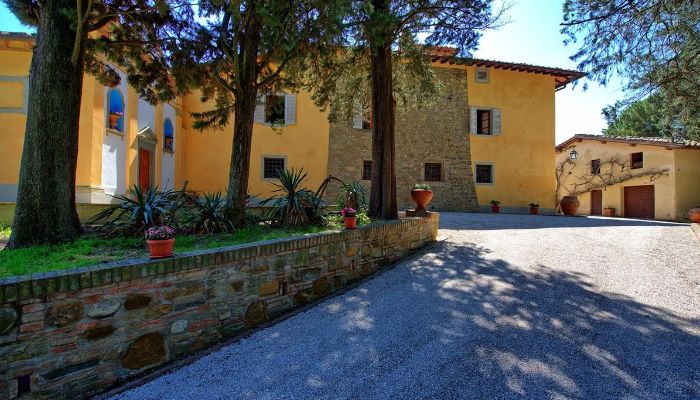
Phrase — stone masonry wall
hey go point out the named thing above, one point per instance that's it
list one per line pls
(70, 334)
(438, 133)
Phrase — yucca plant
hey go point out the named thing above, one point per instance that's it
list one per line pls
(294, 204)
(208, 214)
(352, 195)
(139, 210)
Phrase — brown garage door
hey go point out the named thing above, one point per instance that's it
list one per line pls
(596, 202)
(639, 201)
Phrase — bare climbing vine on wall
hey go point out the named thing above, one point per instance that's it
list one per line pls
(611, 172)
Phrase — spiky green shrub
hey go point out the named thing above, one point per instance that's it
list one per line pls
(207, 213)
(139, 210)
(293, 204)
(353, 195)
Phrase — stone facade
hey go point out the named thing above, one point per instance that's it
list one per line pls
(70, 334)
(435, 134)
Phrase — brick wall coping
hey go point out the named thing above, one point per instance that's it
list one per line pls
(41, 284)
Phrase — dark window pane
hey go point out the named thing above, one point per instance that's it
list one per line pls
(274, 109)
(367, 170)
(272, 167)
(595, 167)
(637, 160)
(433, 171)
(484, 173)
(483, 122)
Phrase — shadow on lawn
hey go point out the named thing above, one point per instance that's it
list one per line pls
(452, 324)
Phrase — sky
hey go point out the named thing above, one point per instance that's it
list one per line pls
(532, 36)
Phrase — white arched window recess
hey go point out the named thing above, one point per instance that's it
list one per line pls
(168, 135)
(115, 107)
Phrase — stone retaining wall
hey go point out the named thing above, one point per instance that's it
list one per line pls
(73, 333)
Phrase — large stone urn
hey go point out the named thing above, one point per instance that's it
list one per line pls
(694, 214)
(569, 205)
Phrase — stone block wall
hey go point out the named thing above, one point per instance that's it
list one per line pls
(438, 133)
(70, 334)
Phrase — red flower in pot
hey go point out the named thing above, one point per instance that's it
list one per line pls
(350, 216)
(161, 240)
(495, 206)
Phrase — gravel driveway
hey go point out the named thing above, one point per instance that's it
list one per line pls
(504, 306)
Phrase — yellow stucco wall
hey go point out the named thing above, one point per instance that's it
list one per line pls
(687, 163)
(655, 157)
(14, 64)
(522, 154)
(304, 144)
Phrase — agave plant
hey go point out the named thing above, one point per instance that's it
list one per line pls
(352, 195)
(139, 210)
(294, 204)
(208, 214)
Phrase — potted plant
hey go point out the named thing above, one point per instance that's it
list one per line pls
(534, 207)
(350, 216)
(609, 211)
(495, 206)
(421, 194)
(114, 119)
(161, 240)
(694, 214)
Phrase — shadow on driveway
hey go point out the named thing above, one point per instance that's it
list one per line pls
(483, 221)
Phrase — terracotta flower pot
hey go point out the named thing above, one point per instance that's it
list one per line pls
(350, 222)
(495, 209)
(609, 212)
(161, 248)
(422, 198)
(113, 119)
(694, 214)
(569, 205)
(534, 210)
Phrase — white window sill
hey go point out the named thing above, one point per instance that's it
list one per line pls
(115, 132)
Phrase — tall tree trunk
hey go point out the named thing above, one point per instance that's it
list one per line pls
(382, 202)
(240, 157)
(45, 208)
(246, 98)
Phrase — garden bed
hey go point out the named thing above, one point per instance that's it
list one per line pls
(92, 250)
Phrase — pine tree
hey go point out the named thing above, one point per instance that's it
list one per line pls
(74, 37)
(250, 48)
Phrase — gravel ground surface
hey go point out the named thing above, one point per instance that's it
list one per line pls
(504, 306)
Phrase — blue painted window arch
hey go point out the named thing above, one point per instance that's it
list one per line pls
(168, 135)
(116, 108)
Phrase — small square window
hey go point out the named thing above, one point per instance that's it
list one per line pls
(272, 166)
(482, 75)
(483, 122)
(595, 167)
(366, 170)
(433, 172)
(274, 109)
(637, 160)
(484, 174)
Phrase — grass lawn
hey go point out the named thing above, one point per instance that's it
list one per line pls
(91, 250)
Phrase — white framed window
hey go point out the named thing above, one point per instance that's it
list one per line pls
(362, 119)
(481, 75)
(276, 109)
(272, 165)
(484, 173)
(485, 121)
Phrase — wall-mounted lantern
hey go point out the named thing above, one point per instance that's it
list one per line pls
(573, 154)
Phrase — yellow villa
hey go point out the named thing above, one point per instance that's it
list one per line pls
(492, 128)
(635, 177)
